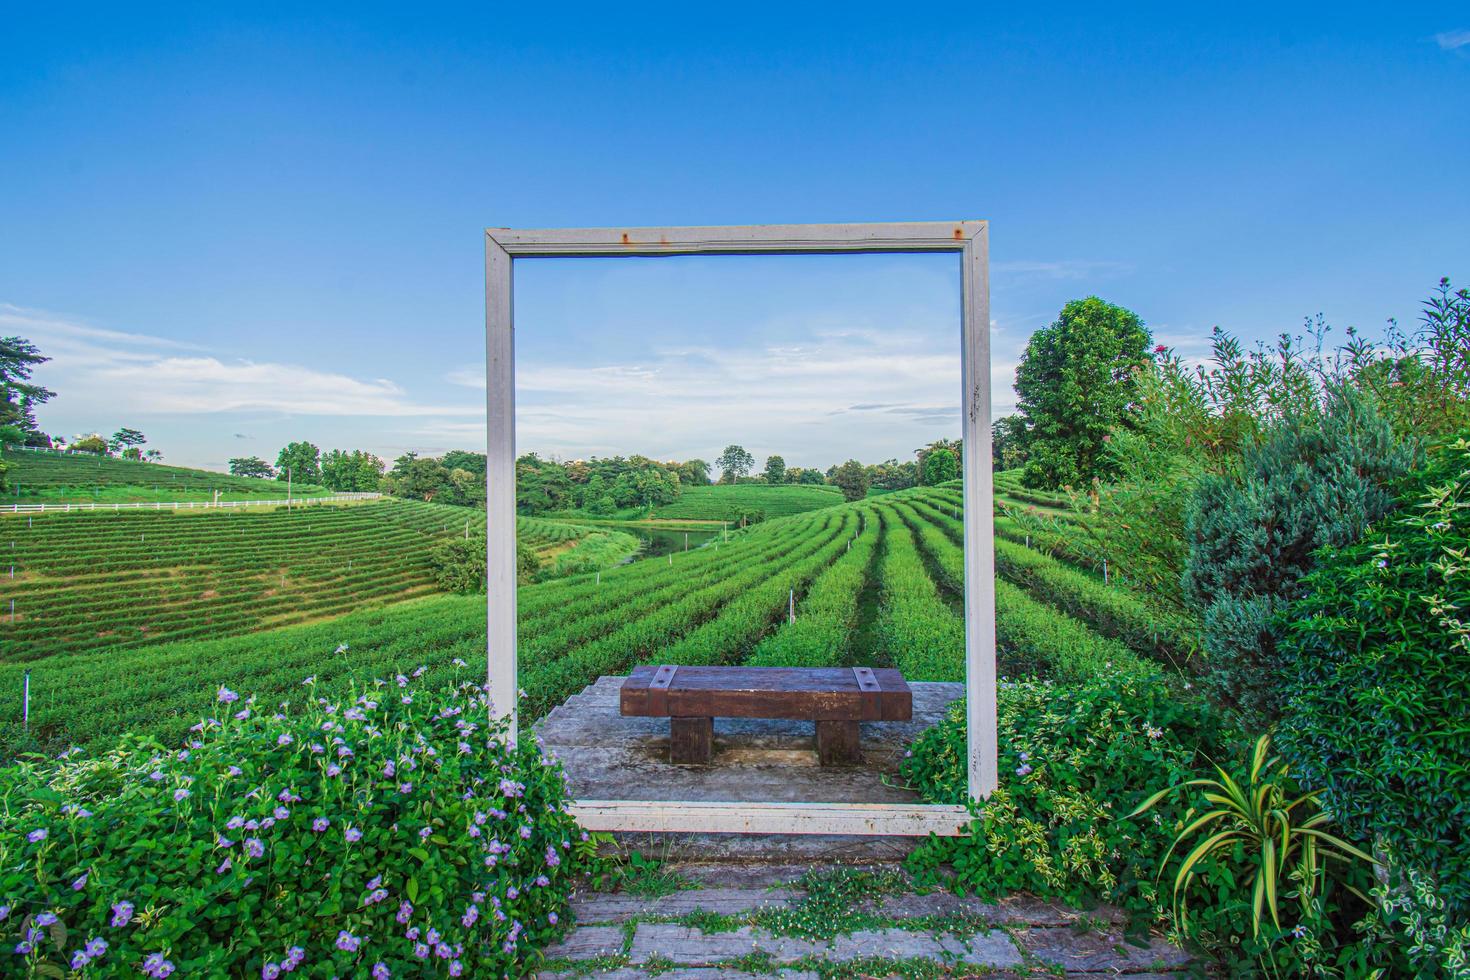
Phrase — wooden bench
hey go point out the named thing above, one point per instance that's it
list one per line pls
(838, 699)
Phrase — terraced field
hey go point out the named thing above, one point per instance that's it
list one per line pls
(723, 502)
(88, 581)
(876, 582)
(50, 477)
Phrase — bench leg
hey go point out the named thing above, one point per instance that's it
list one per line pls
(690, 741)
(838, 743)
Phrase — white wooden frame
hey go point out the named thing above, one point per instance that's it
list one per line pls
(971, 240)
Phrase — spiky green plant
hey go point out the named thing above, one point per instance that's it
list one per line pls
(1283, 838)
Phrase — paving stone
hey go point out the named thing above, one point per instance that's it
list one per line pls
(587, 942)
(684, 945)
(993, 948)
(1098, 951)
(620, 907)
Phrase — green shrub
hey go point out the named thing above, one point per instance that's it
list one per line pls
(390, 833)
(1377, 657)
(1074, 760)
(459, 564)
(1252, 538)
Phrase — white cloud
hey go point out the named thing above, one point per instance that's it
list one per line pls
(114, 371)
(1452, 40)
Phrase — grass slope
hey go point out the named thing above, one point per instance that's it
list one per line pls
(723, 502)
(93, 580)
(44, 477)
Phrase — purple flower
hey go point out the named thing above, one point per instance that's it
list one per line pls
(381, 971)
(156, 966)
(4, 912)
(352, 834)
(181, 794)
(284, 739)
(471, 915)
(79, 959)
(225, 865)
(456, 968)
(347, 942)
(405, 788)
(227, 696)
(44, 919)
(234, 771)
(552, 858)
(22, 948)
(294, 956)
(156, 775)
(235, 823)
(375, 896)
(334, 770)
(281, 813)
(551, 917)
(36, 836)
(424, 833)
(122, 914)
(405, 912)
(254, 847)
(421, 951)
(320, 824)
(270, 971)
(95, 947)
(1023, 769)
(525, 833)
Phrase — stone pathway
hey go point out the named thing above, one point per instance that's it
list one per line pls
(718, 928)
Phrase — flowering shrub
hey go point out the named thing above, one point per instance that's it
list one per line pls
(387, 834)
(1074, 760)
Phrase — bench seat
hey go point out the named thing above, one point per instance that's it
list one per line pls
(838, 699)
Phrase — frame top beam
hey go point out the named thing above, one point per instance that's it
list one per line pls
(919, 236)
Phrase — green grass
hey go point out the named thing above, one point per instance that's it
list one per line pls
(44, 478)
(722, 502)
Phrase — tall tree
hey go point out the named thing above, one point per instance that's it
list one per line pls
(354, 472)
(18, 357)
(939, 467)
(125, 439)
(304, 461)
(775, 469)
(734, 463)
(248, 466)
(694, 473)
(852, 477)
(1076, 382)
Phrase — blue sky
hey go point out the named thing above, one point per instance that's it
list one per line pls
(237, 228)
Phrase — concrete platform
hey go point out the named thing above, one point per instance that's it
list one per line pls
(607, 756)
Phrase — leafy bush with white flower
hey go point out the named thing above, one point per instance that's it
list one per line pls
(1074, 760)
(386, 833)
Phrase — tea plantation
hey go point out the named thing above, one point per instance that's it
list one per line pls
(72, 582)
(44, 477)
(876, 582)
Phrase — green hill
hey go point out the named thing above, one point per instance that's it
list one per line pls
(52, 477)
(90, 580)
(723, 502)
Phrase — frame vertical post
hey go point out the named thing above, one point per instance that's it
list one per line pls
(500, 486)
(979, 494)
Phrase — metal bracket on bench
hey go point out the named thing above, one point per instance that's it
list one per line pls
(662, 678)
(865, 679)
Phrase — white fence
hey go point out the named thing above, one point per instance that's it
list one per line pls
(335, 498)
